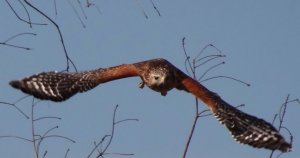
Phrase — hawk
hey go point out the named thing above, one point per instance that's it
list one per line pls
(161, 76)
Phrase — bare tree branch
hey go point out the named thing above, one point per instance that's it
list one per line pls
(89, 4)
(187, 145)
(47, 117)
(124, 120)
(44, 135)
(228, 77)
(197, 58)
(36, 139)
(67, 152)
(192, 66)
(16, 137)
(55, 7)
(280, 116)
(209, 69)
(58, 136)
(103, 151)
(59, 32)
(76, 13)
(210, 58)
(155, 8)
(141, 8)
(17, 15)
(97, 145)
(5, 42)
(81, 8)
(45, 153)
(17, 108)
(35, 147)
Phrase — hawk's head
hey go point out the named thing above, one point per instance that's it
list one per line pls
(160, 76)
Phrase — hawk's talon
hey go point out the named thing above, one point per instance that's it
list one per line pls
(163, 93)
(142, 84)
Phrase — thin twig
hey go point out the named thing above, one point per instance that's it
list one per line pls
(205, 48)
(155, 8)
(58, 136)
(18, 109)
(112, 130)
(282, 112)
(274, 118)
(22, 98)
(126, 120)
(196, 117)
(81, 8)
(228, 77)
(209, 69)
(55, 7)
(47, 117)
(17, 15)
(89, 4)
(16, 137)
(187, 145)
(76, 13)
(45, 153)
(122, 154)
(36, 153)
(27, 13)
(280, 117)
(59, 32)
(187, 58)
(96, 146)
(67, 152)
(44, 135)
(15, 46)
(103, 151)
(15, 36)
(211, 58)
(141, 8)
(18, 35)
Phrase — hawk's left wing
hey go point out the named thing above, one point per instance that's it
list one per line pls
(59, 86)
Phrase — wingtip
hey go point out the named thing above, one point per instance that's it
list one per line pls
(16, 84)
(286, 147)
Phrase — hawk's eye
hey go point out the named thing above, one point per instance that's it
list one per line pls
(156, 77)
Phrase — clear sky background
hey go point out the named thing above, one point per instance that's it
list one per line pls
(261, 41)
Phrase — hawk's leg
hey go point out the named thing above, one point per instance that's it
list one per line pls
(142, 84)
(164, 93)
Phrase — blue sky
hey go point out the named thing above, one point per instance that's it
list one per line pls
(259, 38)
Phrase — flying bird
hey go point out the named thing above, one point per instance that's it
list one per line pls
(161, 76)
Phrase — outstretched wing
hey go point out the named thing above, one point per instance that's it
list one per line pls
(56, 86)
(59, 86)
(243, 127)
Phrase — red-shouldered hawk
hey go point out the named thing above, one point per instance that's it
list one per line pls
(161, 76)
